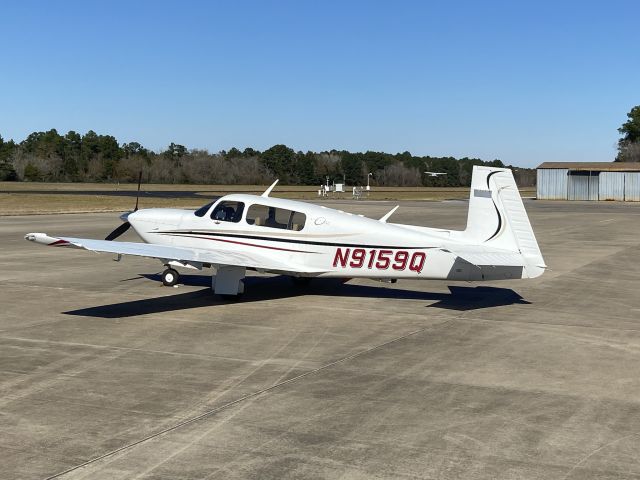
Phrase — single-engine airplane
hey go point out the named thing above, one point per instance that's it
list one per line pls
(435, 174)
(242, 232)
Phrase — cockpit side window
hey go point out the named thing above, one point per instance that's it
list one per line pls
(265, 216)
(202, 211)
(228, 212)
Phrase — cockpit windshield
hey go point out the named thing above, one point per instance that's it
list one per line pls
(202, 211)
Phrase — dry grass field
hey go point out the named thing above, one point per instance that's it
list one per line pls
(21, 198)
(26, 204)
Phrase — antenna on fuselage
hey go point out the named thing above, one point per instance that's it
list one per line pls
(268, 190)
(386, 217)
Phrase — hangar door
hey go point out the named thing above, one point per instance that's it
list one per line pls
(632, 186)
(582, 185)
(611, 186)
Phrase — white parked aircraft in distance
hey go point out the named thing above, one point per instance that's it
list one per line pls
(242, 232)
(435, 174)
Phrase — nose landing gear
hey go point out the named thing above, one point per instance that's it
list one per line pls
(170, 277)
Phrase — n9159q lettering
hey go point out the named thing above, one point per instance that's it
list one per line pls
(380, 259)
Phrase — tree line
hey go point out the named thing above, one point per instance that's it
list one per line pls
(629, 144)
(50, 156)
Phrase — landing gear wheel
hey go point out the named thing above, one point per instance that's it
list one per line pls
(170, 277)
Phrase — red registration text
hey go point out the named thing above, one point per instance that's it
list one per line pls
(379, 259)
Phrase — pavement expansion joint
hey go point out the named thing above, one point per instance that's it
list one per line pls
(242, 399)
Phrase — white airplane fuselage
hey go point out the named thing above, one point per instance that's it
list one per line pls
(338, 243)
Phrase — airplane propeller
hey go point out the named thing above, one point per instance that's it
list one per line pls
(126, 225)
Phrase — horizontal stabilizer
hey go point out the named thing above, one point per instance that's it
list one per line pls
(488, 258)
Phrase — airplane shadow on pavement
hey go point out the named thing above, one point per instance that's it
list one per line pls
(278, 287)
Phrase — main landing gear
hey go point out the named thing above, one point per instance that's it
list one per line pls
(170, 277)
(228, 281)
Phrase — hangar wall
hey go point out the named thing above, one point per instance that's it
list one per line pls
(632, 186)
(582, 185)
(589, 181)
(552, 184)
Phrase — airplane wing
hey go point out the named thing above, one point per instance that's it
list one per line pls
(166, 252)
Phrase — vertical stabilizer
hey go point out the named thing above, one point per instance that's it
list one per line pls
(497, 217)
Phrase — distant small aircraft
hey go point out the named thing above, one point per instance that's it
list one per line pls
(242, 232)
(435, 174)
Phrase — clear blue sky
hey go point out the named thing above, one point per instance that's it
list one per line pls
(525, 82)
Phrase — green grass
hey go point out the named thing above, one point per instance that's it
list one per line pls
(13, 202)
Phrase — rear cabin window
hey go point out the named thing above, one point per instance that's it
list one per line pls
(228, 212)
(264, 216)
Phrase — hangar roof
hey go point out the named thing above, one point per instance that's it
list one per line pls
(595, 166)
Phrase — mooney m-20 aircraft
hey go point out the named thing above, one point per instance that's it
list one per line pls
(270, 235)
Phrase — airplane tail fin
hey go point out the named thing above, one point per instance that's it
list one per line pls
(497, 218)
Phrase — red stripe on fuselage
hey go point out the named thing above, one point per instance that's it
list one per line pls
(239, 243)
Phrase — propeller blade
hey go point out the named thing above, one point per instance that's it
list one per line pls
(118, 231)
(138, 194)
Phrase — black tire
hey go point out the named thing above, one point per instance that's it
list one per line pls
(170, 277)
